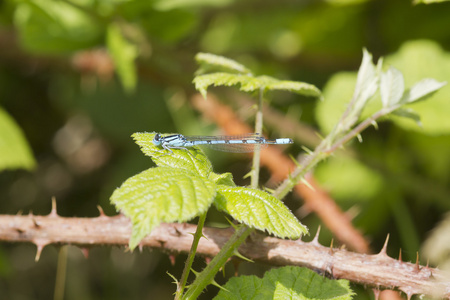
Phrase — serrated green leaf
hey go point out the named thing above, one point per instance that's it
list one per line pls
(260, 210)
(392, 87)
(14, 150)
(123, 54)
(367, 83)
(301, 88)
(422, 90)
(286, 283)
(251, 84)
(162, 194)
(210, 62)
(193, 160)
(223, 179)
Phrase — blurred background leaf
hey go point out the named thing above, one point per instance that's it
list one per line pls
(61, 86)
(14, 150)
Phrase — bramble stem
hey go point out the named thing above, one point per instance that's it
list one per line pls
(257, 154)
(187, 267)
(207, 275)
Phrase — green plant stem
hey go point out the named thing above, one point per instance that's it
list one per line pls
(187, 267)
(61, 274)
(330, 144)
(257, 154)
(207, 275)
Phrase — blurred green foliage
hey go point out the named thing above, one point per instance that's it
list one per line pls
(57, 84)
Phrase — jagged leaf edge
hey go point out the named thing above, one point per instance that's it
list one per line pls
(273, 216)
(209, 61)
(147, 205)
(278, 284)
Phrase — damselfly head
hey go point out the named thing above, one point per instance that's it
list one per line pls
(157, 139)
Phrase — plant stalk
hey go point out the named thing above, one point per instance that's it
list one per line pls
(187, 267)
(257, 154)
(207, 275)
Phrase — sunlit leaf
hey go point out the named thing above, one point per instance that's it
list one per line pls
(193, 160)
(223, 179)
(251, 84)
(423, 89)
(301, 88)
(211, 62)
(366, 85)
(14, 150)
(162, 195)
(123, 54)
(286, 283)
(392, 86)
(260, 210)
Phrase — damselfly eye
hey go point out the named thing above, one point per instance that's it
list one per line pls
(157, 139)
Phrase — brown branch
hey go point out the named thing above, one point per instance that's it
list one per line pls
(378, 270)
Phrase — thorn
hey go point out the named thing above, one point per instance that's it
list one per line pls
(213, 282)
(428, 269)
(172, 259)
(384, 249)
(101, 212)
(316, 237)
(359, 137)
(237, 254)
(331, 247)
(307, 183)
(374, 124)
(235, 226)
(85, 252)
(329, 271)
(195, 272)
(207, 260)
(247, 175)
(53, 213)
(297, 164)
(307, 150)
(178, 232)
(417, 262)
(174, 278)
(141, 247)
(36, 224)
(299, 240)
(376, 293)
(400, 255)
(407, 291)
(40, 244)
